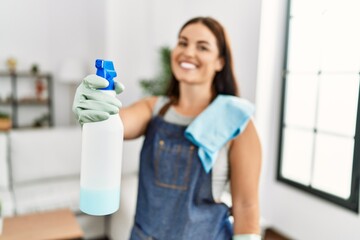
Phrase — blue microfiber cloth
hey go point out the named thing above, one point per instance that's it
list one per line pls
(224, 119)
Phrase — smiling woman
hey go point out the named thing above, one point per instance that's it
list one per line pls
(198, 139)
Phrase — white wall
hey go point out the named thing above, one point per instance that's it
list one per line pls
(49, 32)
(136, 29)
(292, 211)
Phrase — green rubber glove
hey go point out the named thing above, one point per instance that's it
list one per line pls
(93, 105)
(246, 237)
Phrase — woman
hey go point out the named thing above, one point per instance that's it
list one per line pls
(179, 193)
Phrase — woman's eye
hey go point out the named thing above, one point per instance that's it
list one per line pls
(182, 44)
(202, 48)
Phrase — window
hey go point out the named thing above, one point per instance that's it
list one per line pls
(319, 150)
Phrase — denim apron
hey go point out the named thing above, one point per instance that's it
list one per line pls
(174, 196)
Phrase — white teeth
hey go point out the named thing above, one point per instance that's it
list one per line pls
(187, 65)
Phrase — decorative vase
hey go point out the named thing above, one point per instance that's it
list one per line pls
(40, 87)
(5, 124)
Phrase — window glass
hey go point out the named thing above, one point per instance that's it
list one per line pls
(297, 158)
(340, 37)
(333, 164)
(304, 45)
(300, 103)
(338, 95)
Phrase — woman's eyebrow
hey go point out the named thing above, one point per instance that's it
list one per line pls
(199, 42)
(204, 42)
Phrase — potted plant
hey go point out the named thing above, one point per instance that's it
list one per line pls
(157, 86)
(5, 121)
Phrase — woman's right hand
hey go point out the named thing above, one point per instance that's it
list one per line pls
(93, 105)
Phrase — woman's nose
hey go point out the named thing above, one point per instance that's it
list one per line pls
(189, 51)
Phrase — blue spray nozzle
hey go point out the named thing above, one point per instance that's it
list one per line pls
(106, 70)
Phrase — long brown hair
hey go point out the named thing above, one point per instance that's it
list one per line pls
(224, 81)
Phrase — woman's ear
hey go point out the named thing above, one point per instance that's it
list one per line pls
(220, 64)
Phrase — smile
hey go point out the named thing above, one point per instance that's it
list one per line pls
(187, 65)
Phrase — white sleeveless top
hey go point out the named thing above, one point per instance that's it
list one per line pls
(220, 170)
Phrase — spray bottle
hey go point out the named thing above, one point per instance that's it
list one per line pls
(101, 156)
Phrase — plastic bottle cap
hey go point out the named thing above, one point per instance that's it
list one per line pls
(106, 70)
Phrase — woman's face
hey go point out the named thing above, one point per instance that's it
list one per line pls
(195, 59)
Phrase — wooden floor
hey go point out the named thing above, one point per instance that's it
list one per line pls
(273, 234)
(101, 238)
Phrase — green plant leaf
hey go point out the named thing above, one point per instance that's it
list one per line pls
(4, 115)
(157, 86)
